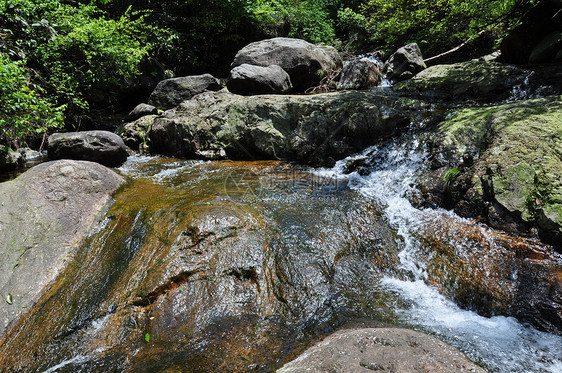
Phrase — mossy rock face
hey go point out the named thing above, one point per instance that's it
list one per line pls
(481, 82)
(134, 134)
(515, 163)
(315, 129)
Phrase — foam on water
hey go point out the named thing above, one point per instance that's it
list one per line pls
(501, 344)
(141, 166)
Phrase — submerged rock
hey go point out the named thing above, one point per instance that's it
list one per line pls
(45, 215)
(510, 165)
(316, 130)
(249, 79)
(171, 92)
(305, 63)
(102, 147)
(381, 350)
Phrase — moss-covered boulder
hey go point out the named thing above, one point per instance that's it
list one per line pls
(509, 162)
(134, 134)
(315, 129)
(481, 81)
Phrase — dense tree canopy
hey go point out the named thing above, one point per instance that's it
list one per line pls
(57, 57)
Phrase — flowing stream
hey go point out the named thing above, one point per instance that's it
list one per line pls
(500, 344)
(238, 266)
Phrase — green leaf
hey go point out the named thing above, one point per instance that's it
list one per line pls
(147, 337)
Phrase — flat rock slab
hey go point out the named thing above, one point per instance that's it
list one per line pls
(481, 81)
(45, 213)
(381, 350)
(102, 147)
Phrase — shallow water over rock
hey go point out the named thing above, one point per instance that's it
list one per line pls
(240, 266)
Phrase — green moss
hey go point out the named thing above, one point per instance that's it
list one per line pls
(518, 145)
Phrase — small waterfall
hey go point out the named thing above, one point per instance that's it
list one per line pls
(501, 344)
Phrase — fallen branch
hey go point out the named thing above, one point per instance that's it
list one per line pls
(451, 51)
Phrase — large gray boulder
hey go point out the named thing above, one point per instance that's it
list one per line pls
(250, 79)
(381, 350)
(360, 73)
(46, 213)
(171, 92)
(404, 63)
(102, 147)
(305, 63)
(312, 129)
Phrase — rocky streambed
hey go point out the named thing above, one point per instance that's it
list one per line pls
(240, 266)
(435, 218)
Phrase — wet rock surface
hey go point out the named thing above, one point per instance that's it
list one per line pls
(381, 350)
(315, 130)
(103, 147)
(232, 266)
(45, 215)
(219, 276)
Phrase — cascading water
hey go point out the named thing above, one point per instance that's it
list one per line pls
(501, 344)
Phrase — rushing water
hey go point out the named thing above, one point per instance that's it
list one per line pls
(287, 255)
(501, 344)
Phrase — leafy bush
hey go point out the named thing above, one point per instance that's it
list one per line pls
(308, 19)
(435, 25)
(93, 54)
(69, 51)
(24, 111)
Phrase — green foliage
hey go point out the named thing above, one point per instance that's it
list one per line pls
(94, 53)
(147, 337)
(23, 111)
(353, 29)
(308, 19)
(449, 177)
(73, 49)
(435, 25)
